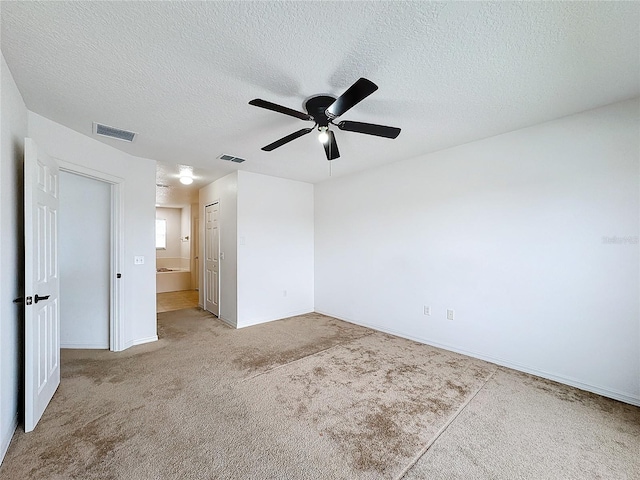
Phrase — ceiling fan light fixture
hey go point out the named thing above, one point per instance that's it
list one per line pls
(323, 136)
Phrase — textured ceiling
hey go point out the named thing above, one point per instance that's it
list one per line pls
(181, 73)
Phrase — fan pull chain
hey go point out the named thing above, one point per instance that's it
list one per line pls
(330, 174)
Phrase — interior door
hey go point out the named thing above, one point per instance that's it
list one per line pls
(212, 259)
(42, 321)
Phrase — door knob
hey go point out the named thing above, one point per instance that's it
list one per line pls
(38, 298)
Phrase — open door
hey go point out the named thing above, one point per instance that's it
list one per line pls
(42, 322)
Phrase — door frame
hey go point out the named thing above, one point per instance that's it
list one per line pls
(116, 299)
(195, 250)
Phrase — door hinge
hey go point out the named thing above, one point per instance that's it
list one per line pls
(29, 300)
(118, 275)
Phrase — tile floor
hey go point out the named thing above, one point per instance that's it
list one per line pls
(169, 301)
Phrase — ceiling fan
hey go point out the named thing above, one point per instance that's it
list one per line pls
(323, 110)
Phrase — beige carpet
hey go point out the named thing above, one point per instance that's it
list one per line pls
(520, 426)
(312, 397)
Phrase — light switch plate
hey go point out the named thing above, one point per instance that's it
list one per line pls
(138, 260)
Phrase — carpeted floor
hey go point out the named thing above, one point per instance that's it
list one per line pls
(312, 397)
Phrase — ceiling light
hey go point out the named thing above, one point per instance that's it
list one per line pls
(323, 137)
(186, 174)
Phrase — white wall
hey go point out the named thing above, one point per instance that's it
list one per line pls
(173, 218)
(138, 211)
(193, 243)
(185, 231)
(275, 248)
(224, 190)
(84, 253)
(508, 231)
(13, 128)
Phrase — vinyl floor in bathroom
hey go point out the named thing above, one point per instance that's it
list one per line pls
(169, 301)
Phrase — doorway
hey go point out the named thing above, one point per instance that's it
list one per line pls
(212, 258)
(112, 236)
(83, 256)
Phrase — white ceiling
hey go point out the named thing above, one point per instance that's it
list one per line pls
(181, 73)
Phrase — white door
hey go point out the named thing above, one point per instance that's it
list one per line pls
(212, 259)
(42, 322)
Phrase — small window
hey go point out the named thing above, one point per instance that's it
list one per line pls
(161, 234)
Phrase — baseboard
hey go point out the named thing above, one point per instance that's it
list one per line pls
(272, 318)
(141, 341)
(605, 392)
(228, 322)
(88, 346)
(6, 438)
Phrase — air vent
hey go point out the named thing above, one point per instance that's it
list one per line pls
(112, 132)
(231, 158)
(161, 185)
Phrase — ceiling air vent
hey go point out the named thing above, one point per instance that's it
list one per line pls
(111, 132)
(231, 158)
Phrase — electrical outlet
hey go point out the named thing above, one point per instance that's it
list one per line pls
(427, 310)
(138, 260)
(450, 314)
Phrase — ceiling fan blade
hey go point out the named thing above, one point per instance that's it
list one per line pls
(354, 95)
(331, 147)
(287, 139)
(280, 109)
(369, 129)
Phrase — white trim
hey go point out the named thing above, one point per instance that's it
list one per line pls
(605, 392)
(228, 322)
(6, 439)
(141, 341)
(273, 319)
(116, 296)
(116, 327)
(88, 172)
(85, 346)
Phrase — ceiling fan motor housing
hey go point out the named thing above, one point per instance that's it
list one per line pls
(316, 107)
